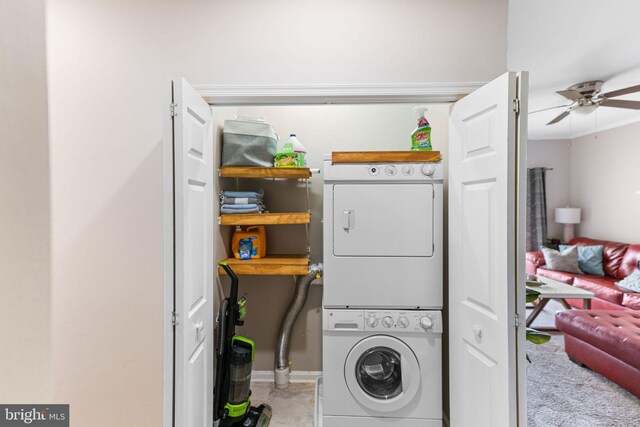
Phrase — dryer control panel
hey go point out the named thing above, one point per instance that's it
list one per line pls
(384, 172)
(396, 321)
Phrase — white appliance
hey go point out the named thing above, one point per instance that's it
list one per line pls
(383, 235)
(382, 367)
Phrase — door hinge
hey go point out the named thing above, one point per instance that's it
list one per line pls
(174, 318)
(516, 105)
(516, 321)
(172, 108)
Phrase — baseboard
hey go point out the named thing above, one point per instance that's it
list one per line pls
(294, 377)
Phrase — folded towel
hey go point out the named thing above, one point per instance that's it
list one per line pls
(243, 206)
(256, 194)
(240, 200)
(226, 210)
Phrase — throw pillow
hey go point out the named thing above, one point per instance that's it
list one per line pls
(631, 283)
(566, 260)
(589, 259)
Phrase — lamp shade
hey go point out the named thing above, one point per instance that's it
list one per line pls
(568, 215)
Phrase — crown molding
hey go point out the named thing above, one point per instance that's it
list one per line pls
(335, 94)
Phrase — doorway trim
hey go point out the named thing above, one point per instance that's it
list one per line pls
(336, 94)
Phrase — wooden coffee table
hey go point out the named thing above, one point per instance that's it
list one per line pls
(552, 289)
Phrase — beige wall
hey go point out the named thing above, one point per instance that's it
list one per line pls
(321, 129)
(25, 240)
(108, 63)
(552, 154)
(605, 183)
(108, 68)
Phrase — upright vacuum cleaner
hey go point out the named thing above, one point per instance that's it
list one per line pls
(234, 358)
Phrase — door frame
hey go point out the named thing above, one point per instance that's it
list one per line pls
(237, 95)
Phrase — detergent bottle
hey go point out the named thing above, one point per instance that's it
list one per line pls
(291, 155)
(421, 136)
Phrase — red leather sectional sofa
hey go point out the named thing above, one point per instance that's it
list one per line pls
(619, 260)
(607, 338)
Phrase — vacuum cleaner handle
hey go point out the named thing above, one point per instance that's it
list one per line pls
(233, 293)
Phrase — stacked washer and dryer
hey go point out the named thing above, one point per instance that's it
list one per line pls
(382, 320)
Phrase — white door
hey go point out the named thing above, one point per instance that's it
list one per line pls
(366, 220)
(193, 257)
(486, 254)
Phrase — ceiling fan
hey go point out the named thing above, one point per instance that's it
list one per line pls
(586, 97)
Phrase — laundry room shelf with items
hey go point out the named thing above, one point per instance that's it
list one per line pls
(266, 218)
(297, 265)
(264, 172)
(271, 264)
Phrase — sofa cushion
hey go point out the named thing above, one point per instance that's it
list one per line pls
(603, 287)
(631, 300)
(631, 283)
(560, 276)
(614, 332)
(629, 261)
(589, 259)
(612, 254)
(566, 260)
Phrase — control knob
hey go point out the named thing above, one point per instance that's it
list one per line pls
(390, 170)
(426, 322)
(428, 170)
(372, 321)
(387, 321)
(403, 322)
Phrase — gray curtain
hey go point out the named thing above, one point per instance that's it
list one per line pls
(536, 209)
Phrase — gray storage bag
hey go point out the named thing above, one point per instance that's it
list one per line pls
(248, 142)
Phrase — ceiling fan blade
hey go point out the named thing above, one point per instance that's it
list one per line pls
(619, 92)
(550, 108)
(560, 117)
(621, 103)
(571, 94)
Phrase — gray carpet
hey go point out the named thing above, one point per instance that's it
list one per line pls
(561, 393)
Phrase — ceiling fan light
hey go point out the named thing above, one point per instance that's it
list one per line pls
(587, 109)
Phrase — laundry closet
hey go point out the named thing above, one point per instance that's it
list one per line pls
(483, 144)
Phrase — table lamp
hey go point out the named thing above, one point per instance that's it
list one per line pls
(568, 216)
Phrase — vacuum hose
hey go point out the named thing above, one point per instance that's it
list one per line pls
(284, 336)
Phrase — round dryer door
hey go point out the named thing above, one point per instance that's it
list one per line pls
(382, 373)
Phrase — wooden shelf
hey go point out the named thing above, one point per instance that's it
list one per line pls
(270, 265)
(384, 156)
(266, 218)
(263, 172)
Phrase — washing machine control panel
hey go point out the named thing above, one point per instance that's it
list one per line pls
(397, 321)
(419, 321)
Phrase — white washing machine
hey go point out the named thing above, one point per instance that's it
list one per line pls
(382, 368)
(382, 235)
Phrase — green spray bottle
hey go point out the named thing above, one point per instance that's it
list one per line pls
(421, 136)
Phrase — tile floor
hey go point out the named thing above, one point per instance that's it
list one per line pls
(291, 408)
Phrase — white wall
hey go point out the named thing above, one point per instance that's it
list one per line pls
(321, 129)
(605, 183)
(552, 154)
(25, 256)
(358, 41)
(108, 63)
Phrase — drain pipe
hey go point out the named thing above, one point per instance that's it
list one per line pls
(282, 369)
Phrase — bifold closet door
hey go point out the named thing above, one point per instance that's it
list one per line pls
(486, 255)
(193, 257)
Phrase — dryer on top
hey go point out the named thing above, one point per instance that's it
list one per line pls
(383, 235)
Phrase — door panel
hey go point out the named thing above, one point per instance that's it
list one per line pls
(383, 220)
(484, 231)
(193, 224)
